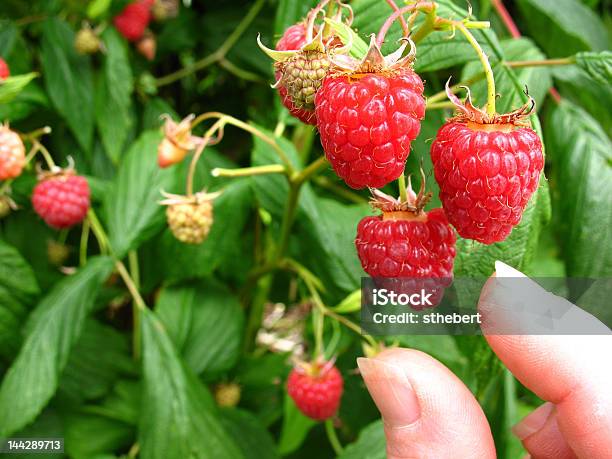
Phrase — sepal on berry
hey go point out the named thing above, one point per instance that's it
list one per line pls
(467, 112)
(177, 141)
(189, 217)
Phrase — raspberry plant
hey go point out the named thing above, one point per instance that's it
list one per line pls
(181, 246)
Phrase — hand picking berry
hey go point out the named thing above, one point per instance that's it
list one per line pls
(190, 217)
(12, 153)
(487, 168)
(4, 69)
(316, 389)
(134, 19)
(302, 62)
(61, 198)
(368, 114)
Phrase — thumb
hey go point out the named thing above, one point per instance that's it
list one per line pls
(427, 411)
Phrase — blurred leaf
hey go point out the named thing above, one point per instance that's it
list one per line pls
(252, 438)
(47, 425)
(18, 287)
(583, 185)
(8, 35)
(564, 27)
(11, 87)
(295, 428)
(87, 435)
(68, 80)
(205, 323)
(98, 8)
(54, 328)
(230, 213)
(132, 207)
(371, 444)
(351, 303)
(114, 95)
(90, 374)
(289, 12)
(30, 99)
(597, 65)
(178, 417)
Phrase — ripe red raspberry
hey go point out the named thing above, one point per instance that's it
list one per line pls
(4, 69)
(316, 389)
(61, 198)
(487, 168)
(293, 39)
(368, 117)
(12, 153)
(134, 19)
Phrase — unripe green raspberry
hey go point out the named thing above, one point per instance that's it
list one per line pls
(190, 222)
(5, 206)
(86, 41)
(302, 76)
(227, 394)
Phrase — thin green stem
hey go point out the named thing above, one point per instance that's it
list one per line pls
(341, 191)
(98, 231)
(239, 72)
(43, 150)
(541, 63)
(311, 169)
(288, 218)
(333, 437)
(134, 268)
(131, 286)
(318, 321)
(218, 125)
(401, 182)
(219, 54)
(428, 26)
(84, 239)
(438, 105)
(484, 60)
(249, 171)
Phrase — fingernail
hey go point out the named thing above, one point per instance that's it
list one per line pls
(391, 391)
(533, 421)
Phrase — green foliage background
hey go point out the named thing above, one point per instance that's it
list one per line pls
(65, 341)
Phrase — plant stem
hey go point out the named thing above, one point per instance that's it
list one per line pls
(341, 191)
(441, 96)
(428, 26)
(134, 269)
(428, 7)
(484, 60)
(436, 105)
(310, 170)
(333, 438)
(541, 63)
(401, 182)
(249, 171)
(218, 125)
(318, 321)
(46, 155)
(219, 54)
(506, 18)
(83, 245)
(98, 232)
(288, 217)
(240, 73)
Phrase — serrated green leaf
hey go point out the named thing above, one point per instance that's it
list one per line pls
(132, 208)
(114, 95)
(205, 323)
(11, 87)
(597, 65)
(178, 416)
(582, 155)
(564, 27)
(295, 428)
(54, 327)
(68, 80)
(252, 438)
(371, 444)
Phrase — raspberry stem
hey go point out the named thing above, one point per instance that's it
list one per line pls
(333, 437)
(403, 194)
(43, 151)
(248, 171)
(484, 60)
(427, 7)
(84, 240)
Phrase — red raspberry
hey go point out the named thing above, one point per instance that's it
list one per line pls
(367, 119)
(487, 170)
(293, 39)
(4, 69)
(61, 199)
(134, 19)
(316, 389)
(12, 154)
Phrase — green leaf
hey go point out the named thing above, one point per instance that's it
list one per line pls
(597, 65)
(582, 155)
(289, 12)
(230, 213)
(97, 8)
(351, 303)
(88, 435)
(114, 95)
(90, 374)
(11, 87)
(359, 47)
(68, 80)
(178, 417)
(54, 328)
(564, 27)
(295, 428)
(8, 36)
(18, 287)
(132, 207)
(371, 444)
(252, 438)
(205, 323)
